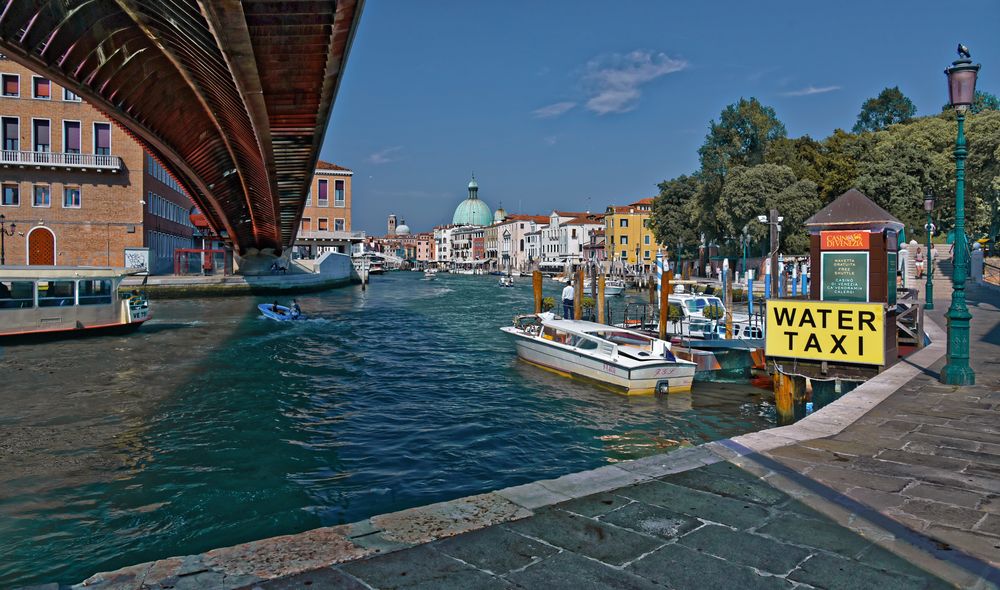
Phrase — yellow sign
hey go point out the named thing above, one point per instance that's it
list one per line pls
(825, 331)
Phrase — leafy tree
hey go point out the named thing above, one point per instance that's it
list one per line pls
(897, 175)
(891, 106)
(671, 219)
(985, 101)
(740, 138)
(803, 155)
(753, 191)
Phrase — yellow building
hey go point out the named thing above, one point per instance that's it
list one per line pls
(627, 234)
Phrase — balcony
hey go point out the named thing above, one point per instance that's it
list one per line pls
(55, 160)
(330, 236)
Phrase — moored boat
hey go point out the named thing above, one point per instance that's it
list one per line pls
(622, 359)
(612, 287)
(64, 300)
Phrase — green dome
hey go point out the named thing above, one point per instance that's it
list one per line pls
(472, 211)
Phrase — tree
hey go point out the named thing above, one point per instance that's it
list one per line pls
(891, 106)
(740, 138)
(985, 101)
(753, 191)
(671, 219)
(899, 172)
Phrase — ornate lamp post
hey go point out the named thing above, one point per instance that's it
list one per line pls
(4, 232)
(929, 208)
(961, 93)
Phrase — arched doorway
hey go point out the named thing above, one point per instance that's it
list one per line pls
(41, 247)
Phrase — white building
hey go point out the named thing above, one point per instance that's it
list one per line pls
(563, 238)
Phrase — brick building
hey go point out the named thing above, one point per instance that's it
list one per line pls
(326, 218)
(78, 188)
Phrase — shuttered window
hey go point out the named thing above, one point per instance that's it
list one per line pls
(102, 139)
(71, 131)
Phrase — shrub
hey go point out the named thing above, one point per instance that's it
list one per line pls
(548, 303)
(714, 312)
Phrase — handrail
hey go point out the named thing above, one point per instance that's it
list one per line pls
(17, 157)
(991, 273)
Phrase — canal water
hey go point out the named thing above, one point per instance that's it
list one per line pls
(211, 426)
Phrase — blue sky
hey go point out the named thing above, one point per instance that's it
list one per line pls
(581, 104)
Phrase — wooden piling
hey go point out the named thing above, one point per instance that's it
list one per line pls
(727, 300)
(536, 284)
(652, 292)
(789, 390)
(578, 296)
(600, 299)
(664, 302)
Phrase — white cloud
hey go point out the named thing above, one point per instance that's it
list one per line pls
(384, 156)
(553, 110)
(615, 81)
(550, 139)
(810, 90)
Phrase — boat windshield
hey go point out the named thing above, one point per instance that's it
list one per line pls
(624, 338)
(698, 304)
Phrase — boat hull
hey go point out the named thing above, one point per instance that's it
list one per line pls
(651, 378)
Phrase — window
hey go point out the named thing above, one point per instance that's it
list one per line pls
(338, 193)
(41, 88)
(71, 137)
(623, 240)
(41, 196)
(323, 196)
(11, 84)
(306, 224)
(11, 136)
(42, 135)
(56, 293)
(624, 255)
(646, 239)
(11, 196)
(623, 223)
(71, 197)
(309, 197)
(646, 255)
(102, 140)
(323, 224)
(95, 292)
(338, 224)
(17, 294)
(70, 95)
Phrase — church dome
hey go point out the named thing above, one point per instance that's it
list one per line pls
(403, 229)
(499, 215)
(472, 211)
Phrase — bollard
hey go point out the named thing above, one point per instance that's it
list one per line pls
(536, 285)
(600, 299)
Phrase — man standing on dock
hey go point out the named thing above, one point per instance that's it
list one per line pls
(567, 300)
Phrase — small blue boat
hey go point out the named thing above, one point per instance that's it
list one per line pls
(283, 314)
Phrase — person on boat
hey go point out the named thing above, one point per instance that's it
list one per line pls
(274, 308)
(296, 311)
(567, 299)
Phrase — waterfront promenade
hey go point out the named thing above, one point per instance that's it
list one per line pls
(896, 485)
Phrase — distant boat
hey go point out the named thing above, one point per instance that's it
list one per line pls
(506, 281)
(617, 357)
(430, 274)
(612, 287)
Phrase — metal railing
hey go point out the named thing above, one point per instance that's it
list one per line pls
(991, 273)
(96, 161)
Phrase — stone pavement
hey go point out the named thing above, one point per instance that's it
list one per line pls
(895, 485)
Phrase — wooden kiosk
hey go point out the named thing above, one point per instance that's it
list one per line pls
(845, 333)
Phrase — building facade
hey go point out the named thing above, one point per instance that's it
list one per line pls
(563, 238)
(629, 239)
(80, 191)
(326, 218)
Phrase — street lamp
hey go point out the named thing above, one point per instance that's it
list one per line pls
(3, 235)
(745, 242)
(929, 208)
(961, 93)
(774, 220)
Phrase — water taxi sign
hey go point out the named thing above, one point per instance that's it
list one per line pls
(826, 331)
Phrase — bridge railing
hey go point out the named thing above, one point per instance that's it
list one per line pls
(60, 159)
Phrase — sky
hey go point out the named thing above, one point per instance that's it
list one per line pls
(579, 104)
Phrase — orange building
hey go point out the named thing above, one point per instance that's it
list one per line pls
(326, 218)
(80, 191)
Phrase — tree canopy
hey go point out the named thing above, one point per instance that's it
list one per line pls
(891, 106)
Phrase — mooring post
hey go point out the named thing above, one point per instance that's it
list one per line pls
(578, 296)
(600, 299)
(664, 302)
(728, 302)
(789, 391)
(536, 284)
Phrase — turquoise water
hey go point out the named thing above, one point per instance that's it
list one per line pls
(211, 426)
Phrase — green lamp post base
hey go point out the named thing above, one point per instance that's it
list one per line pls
(956, 370)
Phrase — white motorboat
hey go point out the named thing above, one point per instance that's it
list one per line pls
(696, 324)
(61, 300)
(623, 359)
(612, 287)
(506, 281)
